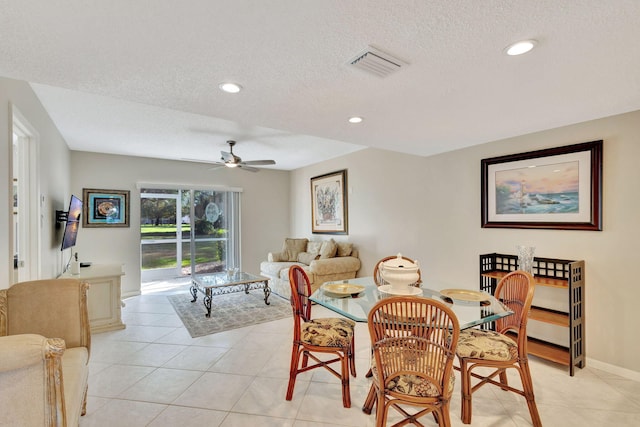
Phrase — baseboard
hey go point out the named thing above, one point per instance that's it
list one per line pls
(613, 369)
(131, 294)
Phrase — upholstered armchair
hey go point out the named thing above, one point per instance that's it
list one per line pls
(45, 344)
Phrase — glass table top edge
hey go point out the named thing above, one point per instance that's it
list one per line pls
(357, 308)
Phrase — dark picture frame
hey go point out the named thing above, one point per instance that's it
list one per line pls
(329, 213)
(557, 188)
(105, 208)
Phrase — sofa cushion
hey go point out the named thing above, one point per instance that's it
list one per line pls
(292, 247)
(328, 249)
(344, 249)
(306, 257)
(314, 248)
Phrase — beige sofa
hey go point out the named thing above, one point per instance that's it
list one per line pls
(44, 353)
(323, 261)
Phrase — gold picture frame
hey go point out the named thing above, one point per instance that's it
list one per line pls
(105, 208)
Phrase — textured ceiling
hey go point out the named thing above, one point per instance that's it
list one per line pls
(140, 77)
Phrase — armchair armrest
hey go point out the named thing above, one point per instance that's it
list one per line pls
(29, 364)
(277, 257)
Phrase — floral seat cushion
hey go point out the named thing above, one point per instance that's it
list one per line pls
(328, 332)
(487, 345)
(414, 385)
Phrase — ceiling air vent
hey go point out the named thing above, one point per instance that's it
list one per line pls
(376, 62)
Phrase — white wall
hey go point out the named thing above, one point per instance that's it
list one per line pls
(264, 207)
(429, 209)
(53, 176)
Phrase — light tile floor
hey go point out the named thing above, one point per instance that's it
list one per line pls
(154, 374)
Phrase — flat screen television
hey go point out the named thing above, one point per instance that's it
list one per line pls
(73, 223)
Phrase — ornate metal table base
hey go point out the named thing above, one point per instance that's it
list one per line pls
(224, 288)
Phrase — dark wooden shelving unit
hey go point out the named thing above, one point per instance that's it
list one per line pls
(555, 273)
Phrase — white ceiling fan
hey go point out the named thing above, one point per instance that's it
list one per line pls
(230, 160)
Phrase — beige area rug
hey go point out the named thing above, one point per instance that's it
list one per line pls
(228, 311)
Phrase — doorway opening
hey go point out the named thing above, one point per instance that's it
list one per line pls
(25, 236)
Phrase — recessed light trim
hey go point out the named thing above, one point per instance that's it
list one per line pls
(230, 87)
(520, 47)
(355, 119)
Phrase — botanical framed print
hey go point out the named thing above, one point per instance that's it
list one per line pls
(329, 203)
(555, 188)
(105, 208)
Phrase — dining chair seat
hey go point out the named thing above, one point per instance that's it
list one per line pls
(413, 385)
(328, 332)
(486, 345)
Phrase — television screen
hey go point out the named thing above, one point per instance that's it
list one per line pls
(73, 223)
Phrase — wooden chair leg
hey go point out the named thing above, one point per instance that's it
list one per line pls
(370, 400)
(465, 392)
(527, 386)
(352, 357)
(293, 371)
(346, 393)
(381, 410)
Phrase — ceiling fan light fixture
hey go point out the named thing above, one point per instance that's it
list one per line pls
(355, 119)
(231, 165)
(520, 47)
(230, 87)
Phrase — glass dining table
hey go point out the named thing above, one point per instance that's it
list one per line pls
(354, 298)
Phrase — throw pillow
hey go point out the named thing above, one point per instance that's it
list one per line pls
(306, 257)
(292, 247)
(314, 248)
(344, 249)
(328, 249)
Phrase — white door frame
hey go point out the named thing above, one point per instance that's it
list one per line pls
(29, 213)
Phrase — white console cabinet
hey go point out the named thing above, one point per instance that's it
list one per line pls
(104, 301)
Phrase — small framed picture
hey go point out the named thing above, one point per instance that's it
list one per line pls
(105, 208)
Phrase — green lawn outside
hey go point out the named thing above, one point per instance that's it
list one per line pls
(164, 255)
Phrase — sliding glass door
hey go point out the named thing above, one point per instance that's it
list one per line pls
(187, 230)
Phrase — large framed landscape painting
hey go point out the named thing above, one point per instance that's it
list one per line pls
(555, 188)
(329, 203)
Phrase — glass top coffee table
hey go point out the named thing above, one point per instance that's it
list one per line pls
(226, 283)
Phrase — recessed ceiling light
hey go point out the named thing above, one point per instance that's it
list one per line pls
(355, 119)
(520, 47)
(230, 87)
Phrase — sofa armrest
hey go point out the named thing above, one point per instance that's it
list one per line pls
(277, 257)
(335, 265)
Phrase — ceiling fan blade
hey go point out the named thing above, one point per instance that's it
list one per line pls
(217, 166)
(214, 162)
(259, 162)
(248, 168)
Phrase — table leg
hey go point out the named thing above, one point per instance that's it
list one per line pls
(267, 292)
(194, 292)
(207, 302)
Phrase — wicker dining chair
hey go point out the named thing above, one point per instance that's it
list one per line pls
(414, 343)
(500, 349)
(377, 277)
(322, 335)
